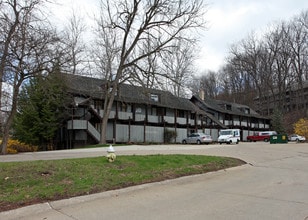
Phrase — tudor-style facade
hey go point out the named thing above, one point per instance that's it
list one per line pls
(138, 114)
(233, 115)
(141, 115)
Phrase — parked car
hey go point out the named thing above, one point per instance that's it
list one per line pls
(198, 138)
(261, 136)
(296, 137)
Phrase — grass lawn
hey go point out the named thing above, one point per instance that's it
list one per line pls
(25, 183)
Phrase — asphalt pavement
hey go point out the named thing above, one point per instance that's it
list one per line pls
(272, 185)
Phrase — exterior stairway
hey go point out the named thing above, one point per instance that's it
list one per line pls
(84, 125)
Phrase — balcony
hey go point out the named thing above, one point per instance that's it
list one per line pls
(181, 121)
(84, 125)
(154, 119)
(125, 115)
(169, 119)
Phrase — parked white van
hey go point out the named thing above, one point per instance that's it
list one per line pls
(229, 136)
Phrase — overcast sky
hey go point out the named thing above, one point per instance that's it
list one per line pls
(229, 21)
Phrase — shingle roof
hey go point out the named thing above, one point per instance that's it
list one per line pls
(92, 87)
(84, 86)
(236, 109)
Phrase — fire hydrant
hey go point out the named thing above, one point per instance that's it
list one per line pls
(111, 156)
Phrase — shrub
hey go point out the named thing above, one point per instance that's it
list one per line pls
(169, 135)
(11, 151)
(15, 146)
(301, 127)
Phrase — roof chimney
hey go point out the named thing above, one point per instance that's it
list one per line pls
(201, 94)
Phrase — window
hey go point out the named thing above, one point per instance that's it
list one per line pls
(161, 111)
(125, 107)
(138, 110)
(98, 104)
(153, 111)
(154, 97)
(228, 117)
(192, 116)
(181, 114)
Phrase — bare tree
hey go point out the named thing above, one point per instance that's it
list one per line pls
(297, 46)
(244, 69)
(272, 65)
(195, 85)
(130, 25)
(209, 84)
(9, 19)
(169, 70)
(177, 67)
(74, 49)
(279, 59)
(150, 76)
(223, 83)
(29, 50)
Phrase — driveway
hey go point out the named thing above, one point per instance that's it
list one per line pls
(273, 185)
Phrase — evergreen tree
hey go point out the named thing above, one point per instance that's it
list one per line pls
(41, 110)
(277, 122)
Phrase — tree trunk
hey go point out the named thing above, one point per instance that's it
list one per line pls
(107, 111)
(6, 135)
(9, 122)
(104, 129)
